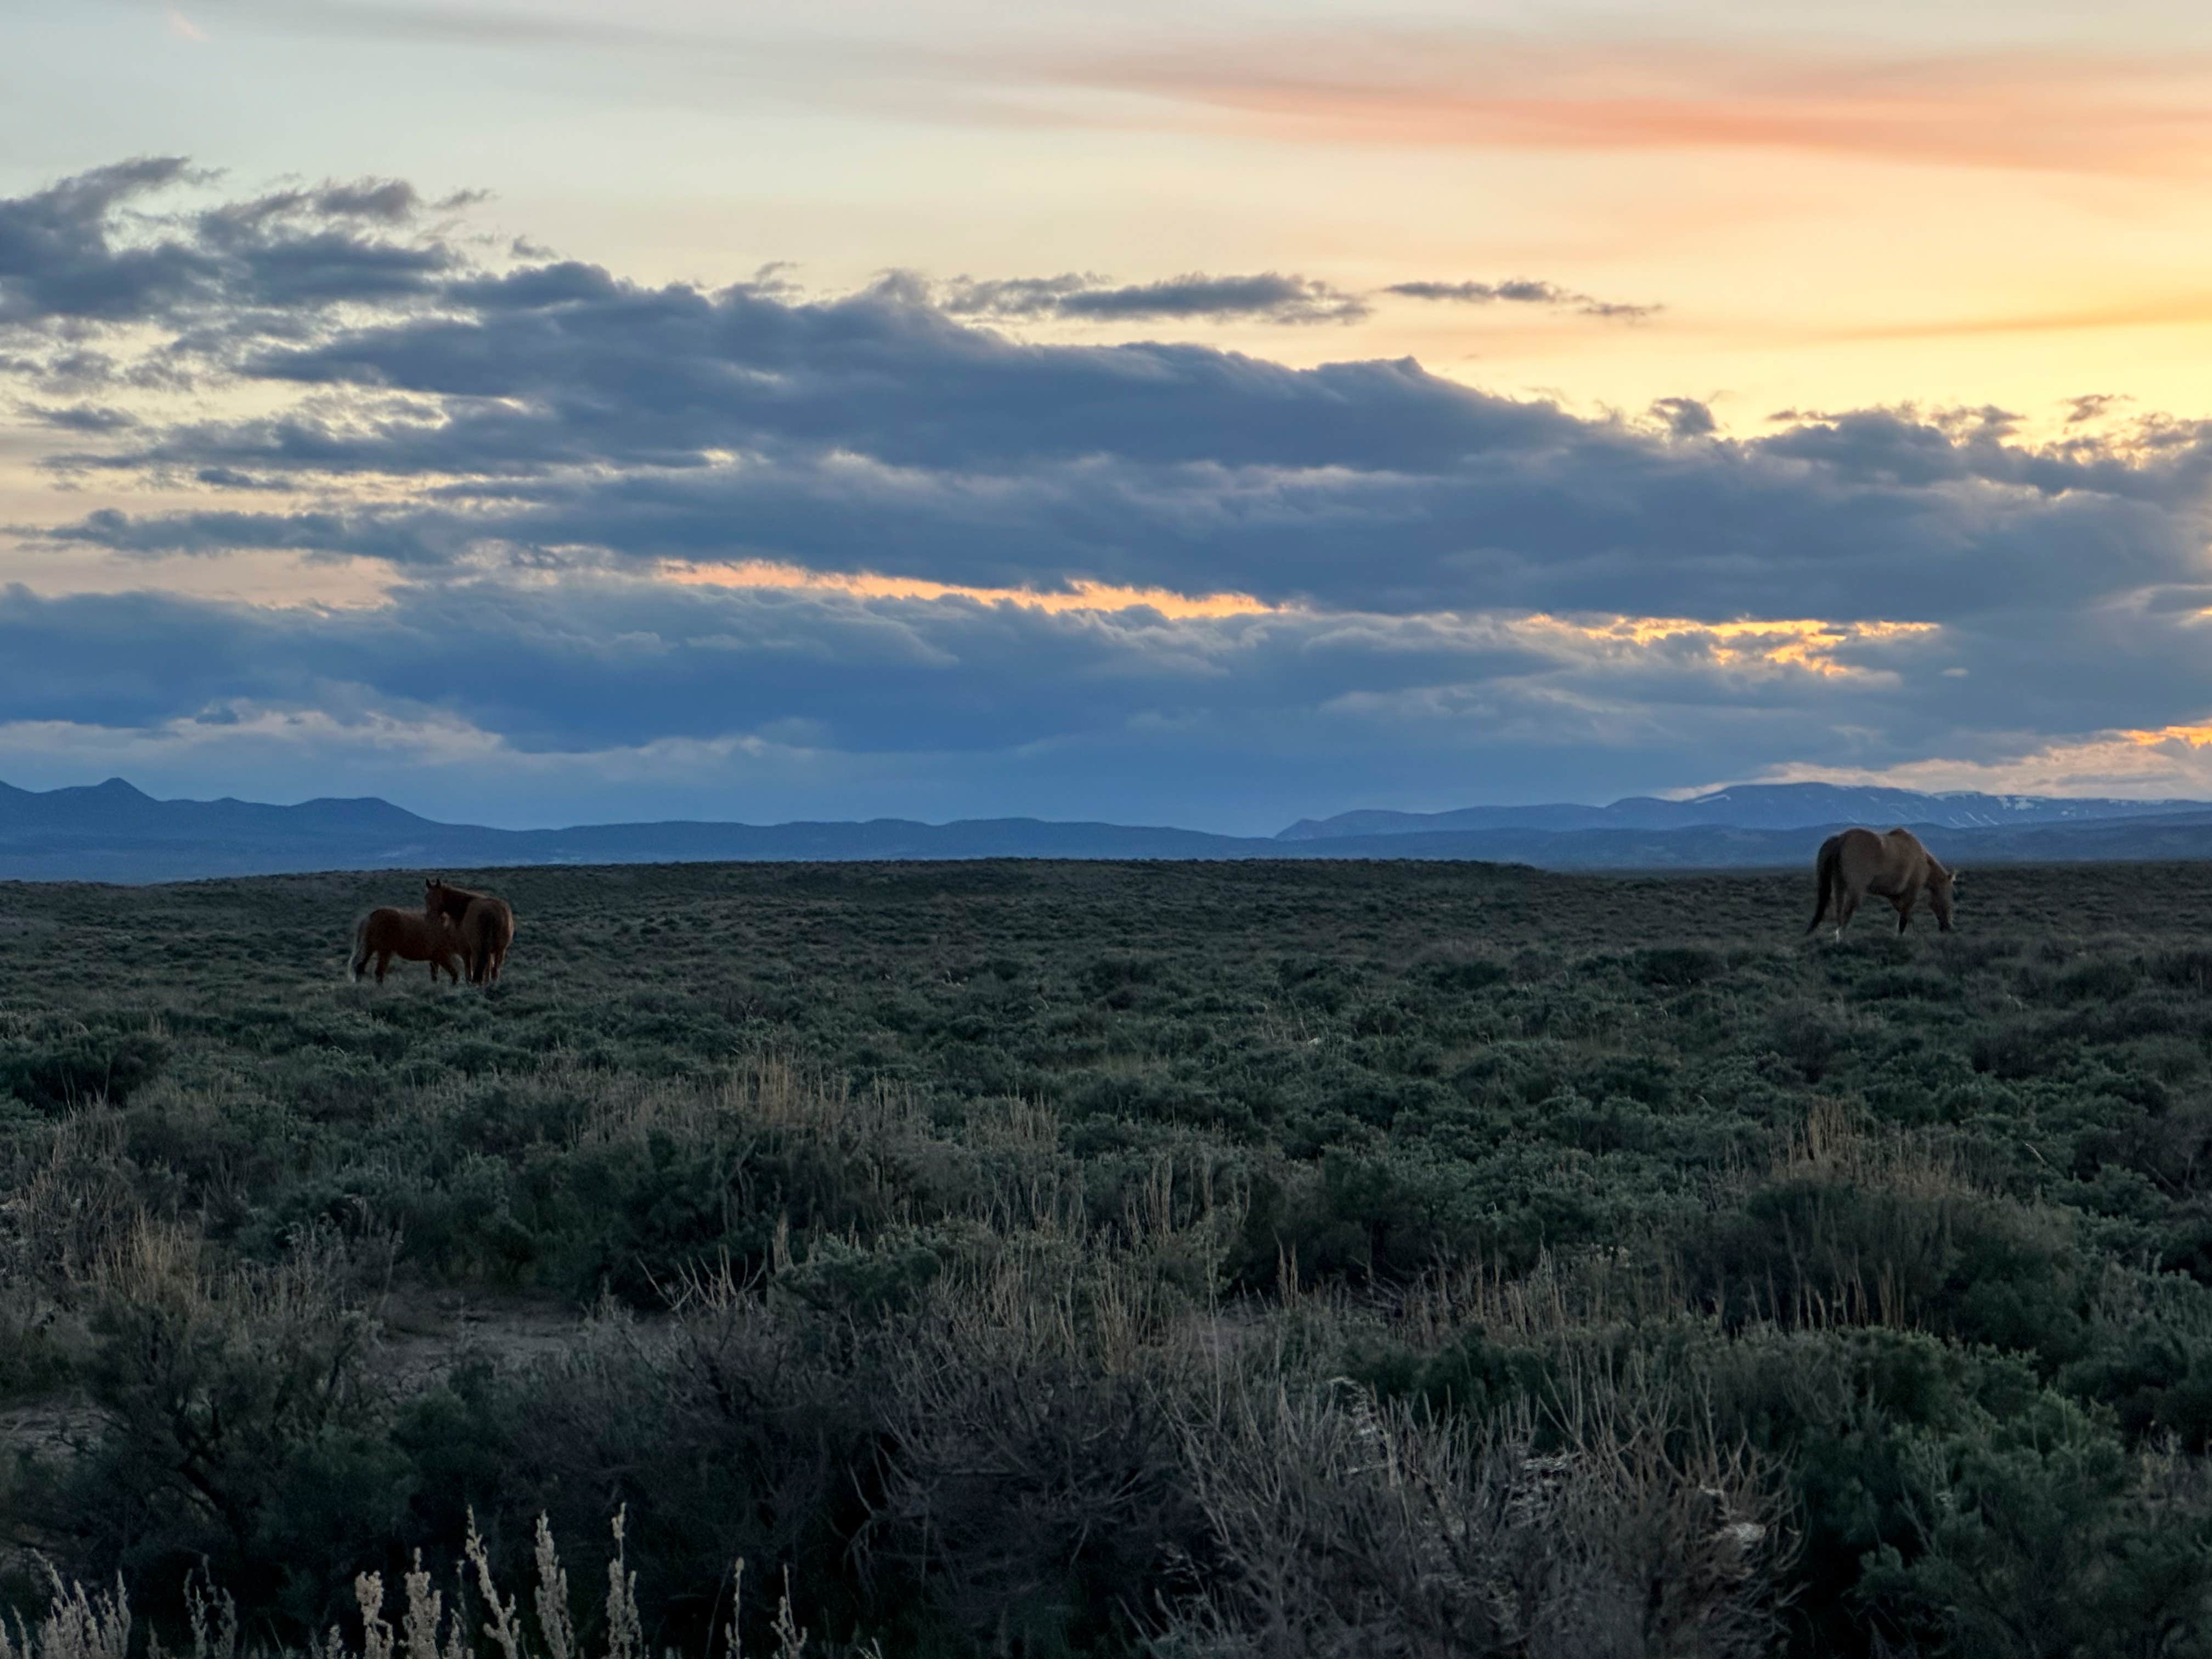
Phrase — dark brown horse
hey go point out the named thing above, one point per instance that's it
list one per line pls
(387, 933)
(485, 922)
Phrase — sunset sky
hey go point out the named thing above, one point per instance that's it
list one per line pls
(1216, 414)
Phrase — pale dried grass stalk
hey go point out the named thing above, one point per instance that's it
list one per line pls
(76, 1624)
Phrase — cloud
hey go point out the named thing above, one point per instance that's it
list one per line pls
(60, 255)
(2092, 406)
(865, 437)
(974, 708)
(87, 418)
(89, 251)
(1685, 417)
(1521, 291)
(356, 534)
(1109, 713)
(564, 365)
(1844, 94)
(2069, 110)
(613, 661)
(1268, 297)
(1445, 583)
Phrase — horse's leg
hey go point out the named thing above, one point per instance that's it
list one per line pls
(383, 962)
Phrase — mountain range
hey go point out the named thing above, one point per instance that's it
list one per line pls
(114, 832)
(1755, 806)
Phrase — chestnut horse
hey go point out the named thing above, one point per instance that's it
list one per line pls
(386, 934)
(485, 924)
(1894, 866)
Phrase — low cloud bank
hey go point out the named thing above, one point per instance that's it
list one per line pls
(1450, 594)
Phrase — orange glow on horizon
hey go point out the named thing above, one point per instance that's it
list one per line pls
(1799, 643)
(2192, 736)
(1081, 596)
(2045, 111)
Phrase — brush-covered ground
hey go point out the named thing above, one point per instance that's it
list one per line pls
(1267, 1259)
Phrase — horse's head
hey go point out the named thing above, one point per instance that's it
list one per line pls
(1942, 893)
(434, 897)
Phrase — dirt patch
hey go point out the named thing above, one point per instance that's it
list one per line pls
(426, 1333)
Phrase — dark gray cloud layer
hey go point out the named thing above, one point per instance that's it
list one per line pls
(609, 664)
(1127, 706)
(85, 250)
(525, 443)
(863, 436)
(1267, 297)
(1270, 297)
(1520, 291)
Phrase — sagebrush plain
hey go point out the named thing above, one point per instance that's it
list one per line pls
(1268, 1258)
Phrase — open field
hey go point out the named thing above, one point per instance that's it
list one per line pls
(1027, 1257)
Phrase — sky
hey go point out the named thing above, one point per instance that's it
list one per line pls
(536, 412)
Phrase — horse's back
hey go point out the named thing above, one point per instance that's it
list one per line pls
(1861, 851)
(406, 932)
(1908, 856)
(1874, 861)
(1923, 860)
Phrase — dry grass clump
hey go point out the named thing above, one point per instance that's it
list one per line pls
(1339, 1524)
(66, 1200)
(82, 1624)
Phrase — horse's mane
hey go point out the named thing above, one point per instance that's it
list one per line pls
(455, 900)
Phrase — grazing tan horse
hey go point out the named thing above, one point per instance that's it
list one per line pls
(387, 933)
(486, 925)
(1894, 866)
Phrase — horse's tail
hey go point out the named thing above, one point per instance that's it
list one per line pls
(490, 924)
(1827, 868)
(360, 959)
(477, 931)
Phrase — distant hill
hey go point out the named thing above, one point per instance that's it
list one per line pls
(1754, 807)
(1727, 846)
(114, 832)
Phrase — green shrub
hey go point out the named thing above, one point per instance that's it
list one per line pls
(68, 1063)
(1031, 1146)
